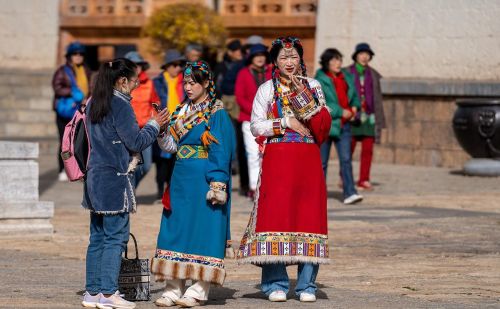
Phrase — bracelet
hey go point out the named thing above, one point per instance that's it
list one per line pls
(284, 123)
(218, 186)
(277, 129)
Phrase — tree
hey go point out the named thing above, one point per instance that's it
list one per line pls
(177, 25)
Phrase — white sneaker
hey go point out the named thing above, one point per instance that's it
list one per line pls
(277, 296)
(307, 297)
(62, 176)
(90, 301)
(115, 301)
(353, 199)
(188, 302)
(164, 302)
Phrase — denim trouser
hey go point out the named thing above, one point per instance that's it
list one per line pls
(343, 146)
(108, 238)
(143, 169)
(275, 277)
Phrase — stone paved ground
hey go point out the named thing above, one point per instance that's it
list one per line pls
(426, 238)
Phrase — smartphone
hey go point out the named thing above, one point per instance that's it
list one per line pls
(156, 107)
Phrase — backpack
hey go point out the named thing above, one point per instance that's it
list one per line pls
(66, 107)
(75, 145)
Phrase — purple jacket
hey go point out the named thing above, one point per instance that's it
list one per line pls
(373, 94)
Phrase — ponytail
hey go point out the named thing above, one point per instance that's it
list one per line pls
(102, 94)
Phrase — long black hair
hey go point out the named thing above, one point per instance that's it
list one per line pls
(102, 94)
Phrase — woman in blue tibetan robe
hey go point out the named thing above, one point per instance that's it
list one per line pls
(195, 220)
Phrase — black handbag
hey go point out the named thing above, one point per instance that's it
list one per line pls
(134, 277)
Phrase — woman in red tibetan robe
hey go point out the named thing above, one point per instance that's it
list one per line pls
(288, 224)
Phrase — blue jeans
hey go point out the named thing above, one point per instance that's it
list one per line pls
(275, 278)
(343, 146)
(108, 238)
(143, 169)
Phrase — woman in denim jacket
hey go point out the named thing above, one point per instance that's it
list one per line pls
(108, 192)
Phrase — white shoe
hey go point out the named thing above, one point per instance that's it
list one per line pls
(188, 302)
(353, 199)
(62, 176)
(90, 301)
(307, 297)
(277, 296)
(164, 302)
(115, 301)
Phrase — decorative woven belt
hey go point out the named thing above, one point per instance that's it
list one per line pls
(291, 137)
(192, 152)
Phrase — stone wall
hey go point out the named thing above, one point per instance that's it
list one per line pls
(447, 39)
(430, 54)
(419, 121)
(26, 108)
(29, 33)
(419, 132)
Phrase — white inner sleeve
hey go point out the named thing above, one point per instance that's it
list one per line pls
(167, 143)
(260, 125)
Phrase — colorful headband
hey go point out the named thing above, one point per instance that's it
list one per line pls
(199, 65)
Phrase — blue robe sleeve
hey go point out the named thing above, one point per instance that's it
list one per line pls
(221, 154)
(134, 138)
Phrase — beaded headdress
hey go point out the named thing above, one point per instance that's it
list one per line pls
(287, 42)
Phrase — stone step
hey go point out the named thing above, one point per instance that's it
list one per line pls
(27, 116)
(27, 103)
(22, 228)
(22, 77)
(27, 91)
(28, 209)
(18, 150)
(47, 145)
(12, 131)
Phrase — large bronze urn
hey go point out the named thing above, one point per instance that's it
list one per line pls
(476, 124)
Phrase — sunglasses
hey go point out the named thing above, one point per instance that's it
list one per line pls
(77, 54)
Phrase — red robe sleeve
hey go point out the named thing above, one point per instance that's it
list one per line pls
(319, 125)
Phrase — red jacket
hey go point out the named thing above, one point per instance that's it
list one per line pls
(245, 90)
(143, 98)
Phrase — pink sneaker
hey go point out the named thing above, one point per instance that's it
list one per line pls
(115, 301)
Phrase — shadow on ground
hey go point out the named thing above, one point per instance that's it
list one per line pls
(46, 180)
(147, 200)
(371, 214)
(291, 294)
